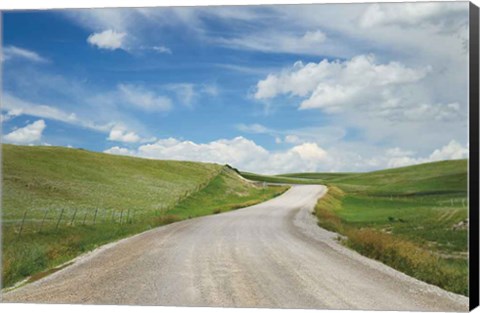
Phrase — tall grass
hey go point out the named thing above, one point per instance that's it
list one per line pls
(398, 252)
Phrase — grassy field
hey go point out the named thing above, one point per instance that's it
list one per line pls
(317, 176)
(413, 218)
(284, 179)
(58, 203)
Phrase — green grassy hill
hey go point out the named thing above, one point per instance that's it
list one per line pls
(319, 176)
(59, 202)
(444, 177)
(284, 179)
(413, 218)
(56, 177)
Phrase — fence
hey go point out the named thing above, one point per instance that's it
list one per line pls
(41, 220)
(52, 219)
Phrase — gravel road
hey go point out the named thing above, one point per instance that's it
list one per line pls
(269, 255)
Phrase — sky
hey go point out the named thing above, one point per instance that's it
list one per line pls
(267, 89)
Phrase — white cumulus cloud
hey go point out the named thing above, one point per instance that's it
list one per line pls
(122, 135)
(108, 39)
(26, 135)
(451, 151)
(293, 139)
(334, 85)
(247, 155)
(239, 152)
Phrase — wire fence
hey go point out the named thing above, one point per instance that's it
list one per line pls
(37, 220)
(47, 220)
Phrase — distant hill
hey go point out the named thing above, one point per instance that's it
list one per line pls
(436, 177)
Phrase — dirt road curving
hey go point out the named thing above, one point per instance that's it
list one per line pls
(269, 255)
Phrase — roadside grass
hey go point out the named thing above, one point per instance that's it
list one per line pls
(59, 203)
(236, 194)
(414, 219)
(413, 229)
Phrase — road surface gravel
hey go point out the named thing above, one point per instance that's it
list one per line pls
(268, 255)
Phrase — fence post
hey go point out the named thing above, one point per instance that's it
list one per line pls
(23, 221)
(43, 220)
(121, 215)
(95, 216)
(133, 216)
(113, 215)
(85, 218)
(59, 219)
(73, 217)
(128, 215)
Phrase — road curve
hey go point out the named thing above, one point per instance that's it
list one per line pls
(269, 255)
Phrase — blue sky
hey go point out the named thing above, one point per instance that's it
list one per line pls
(269, 89)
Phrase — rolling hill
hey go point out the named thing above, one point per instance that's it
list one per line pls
(59, 202)
(412, 218)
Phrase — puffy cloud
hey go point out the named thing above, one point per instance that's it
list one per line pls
(292, 139)
(310, 151)
(334, 85)
(108, 39)
(13, 52)
(14, 106)
(143, 98)
(120, 151)
(120, 134)
(451, 151)
(239, 152)
(246, 155)
(102, 112)
(26, 135)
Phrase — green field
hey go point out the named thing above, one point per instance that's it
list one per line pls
(283, 179)
(412, 218)
(58, 203)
